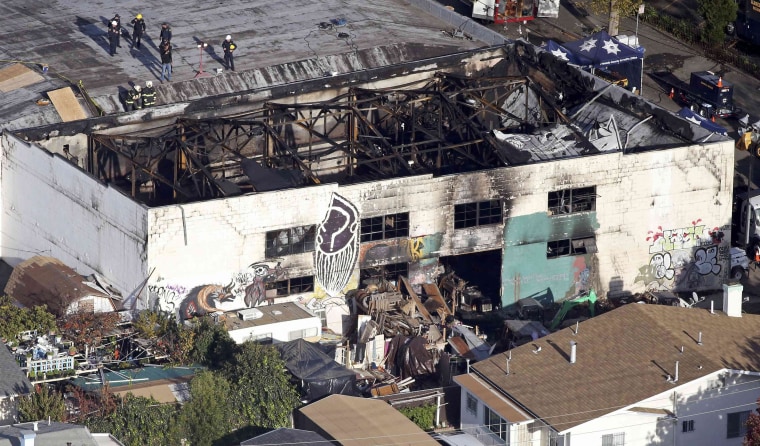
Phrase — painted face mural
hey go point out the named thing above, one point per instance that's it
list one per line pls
(337, 247)
(256, 292)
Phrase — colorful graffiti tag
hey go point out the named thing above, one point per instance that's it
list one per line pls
(685, 258)
(245, 289)
(337, 247)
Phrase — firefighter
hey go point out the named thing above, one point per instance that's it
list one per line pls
(166, 32)
(134, 99)
(116, 18)
(149, 95)
(229, 47)
(114, 31)
(138, 29)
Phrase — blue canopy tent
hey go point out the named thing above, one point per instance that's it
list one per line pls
(602, 51)
(689, 114)
(563, 53)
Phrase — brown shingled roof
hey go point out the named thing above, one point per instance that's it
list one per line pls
(623, 357)
(47, 281)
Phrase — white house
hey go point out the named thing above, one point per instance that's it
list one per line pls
(637, 375)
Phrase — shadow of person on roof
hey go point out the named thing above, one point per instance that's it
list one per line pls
(94, 31)
(210, 51)
(148, 59)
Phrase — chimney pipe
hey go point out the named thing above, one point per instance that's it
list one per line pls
(699, 338)
(682, 349)
(577, 325)
(573, 348)
(712, 307)
(675, 380)
(35, 425)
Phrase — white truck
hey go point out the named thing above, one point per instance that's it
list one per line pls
(746, 231)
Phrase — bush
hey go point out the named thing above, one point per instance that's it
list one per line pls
(422, 416)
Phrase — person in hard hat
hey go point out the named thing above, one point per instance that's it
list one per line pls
(134, 99)
(166, 32)
(138, 29)
(166, 60)
(116, 18)
(148, 95)
(114, 31)
(229, 47)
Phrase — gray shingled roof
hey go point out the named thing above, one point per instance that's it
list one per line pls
(52, 434)
(286, 436)
(625, 356)
(13, 381)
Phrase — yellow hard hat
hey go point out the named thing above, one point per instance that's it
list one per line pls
(139, 16)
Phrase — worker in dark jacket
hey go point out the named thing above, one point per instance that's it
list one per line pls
(138, 29)
(148, 95)
(166, 32)
(166, 60)
(116, 18)
(114, 31)
(134, 99)
(229, 47)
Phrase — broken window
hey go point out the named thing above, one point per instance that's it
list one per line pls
(384, 272)
(687, 426)
(570, 201)
(570, 247)
(290, 241)
(265, 338)
(295, 285)
(385, 226)
(481, 213)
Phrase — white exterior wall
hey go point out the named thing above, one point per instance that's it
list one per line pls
(707, 401)
(280, 331)
(100, 304)
(638, 193)
(50, 207)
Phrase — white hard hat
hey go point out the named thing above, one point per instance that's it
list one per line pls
(149, 84)
(114, 23)
(137, 87)
(229, 37)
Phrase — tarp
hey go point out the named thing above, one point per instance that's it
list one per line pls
(319, 374)
(600, 50)
(408, 357)
(687, 113)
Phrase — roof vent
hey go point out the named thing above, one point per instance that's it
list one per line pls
(250, 314)
(573, 348)
(537, 349)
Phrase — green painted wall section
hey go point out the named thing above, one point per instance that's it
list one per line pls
(526, 272)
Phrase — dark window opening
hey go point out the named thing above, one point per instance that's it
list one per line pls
(737, 424)
(482, 213)
(389, 272)
(290, 241)
(295, 285)
(385, 227)
(570, 247)
(687, 426)
(570, 201)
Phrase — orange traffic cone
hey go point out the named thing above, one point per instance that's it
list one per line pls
(712, 118)
(720, 82)
(672, 93)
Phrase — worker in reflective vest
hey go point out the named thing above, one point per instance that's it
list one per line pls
(149, 94)
(134, 99)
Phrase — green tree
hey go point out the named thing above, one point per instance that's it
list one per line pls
(752, 437)
(262, 394)
(206, 417)
(717, 14)
(138, 421)
(615, 8)
(87, 327)
(213, 345)
(422, 416)
(41, 404)
(16, 319)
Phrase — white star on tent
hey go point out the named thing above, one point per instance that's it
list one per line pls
(559, 54)
(611, 47)
(693, 119)
(588, 45)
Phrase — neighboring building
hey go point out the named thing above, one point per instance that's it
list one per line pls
(635, 376)
(286, 436)
(13, 384)
(42, 280)
(273, 324)
(355, 421)
(47, 433)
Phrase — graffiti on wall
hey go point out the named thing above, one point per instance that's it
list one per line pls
(399, 250)
(685, 258)
(337, 245)
(245, 289)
